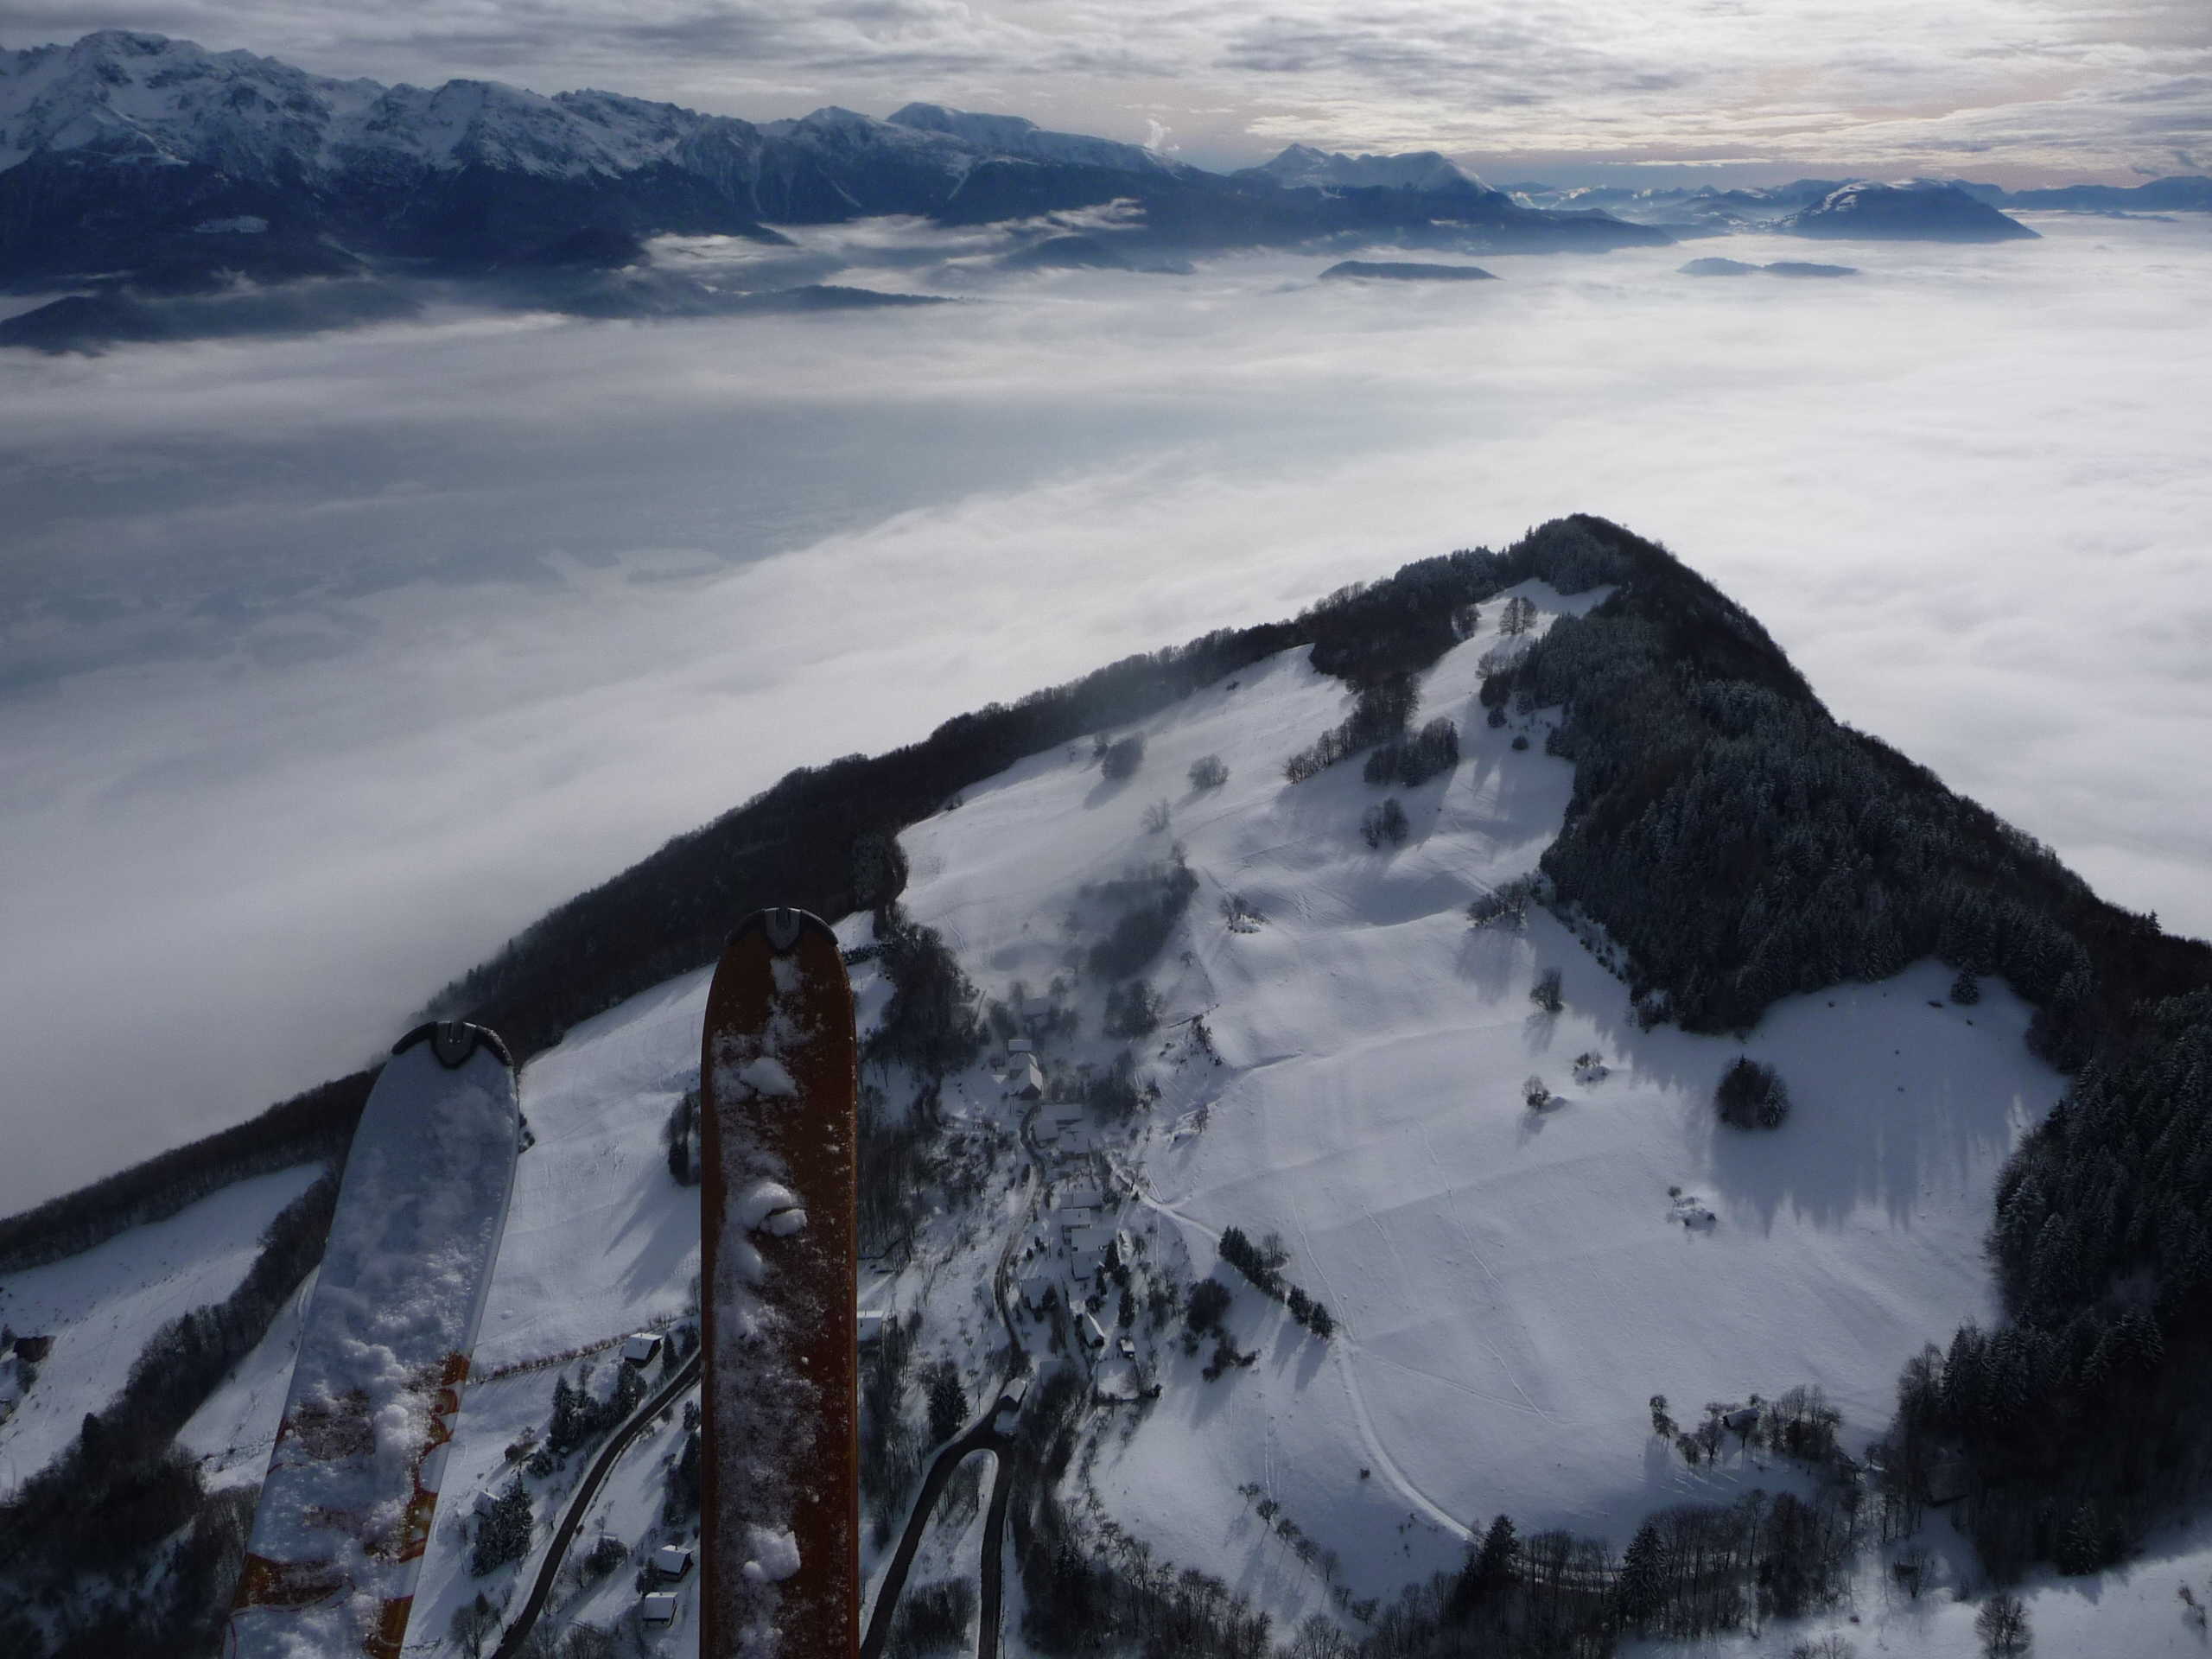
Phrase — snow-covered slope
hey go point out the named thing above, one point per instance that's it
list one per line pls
(100, 1307)
(164, 100)
(1301, 165)
(1927, 209)
(1014, 135)
(1509, 1287)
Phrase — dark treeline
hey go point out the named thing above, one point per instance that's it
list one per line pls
(118, 1495)
(2069, 1428)
(1107, 1595)
(307, 1128)
(1744, 846)
(1692, 1570)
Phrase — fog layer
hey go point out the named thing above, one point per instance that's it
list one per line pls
(325, 664)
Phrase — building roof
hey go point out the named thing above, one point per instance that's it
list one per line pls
(658, 1607)
(1089, 1240)
(643, 1345)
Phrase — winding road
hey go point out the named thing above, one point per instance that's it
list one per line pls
(564, 1534)
(983, 1436)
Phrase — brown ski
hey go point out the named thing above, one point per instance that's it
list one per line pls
(779, 1487)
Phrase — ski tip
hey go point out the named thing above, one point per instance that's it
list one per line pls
(454, 1040)
(784, 926)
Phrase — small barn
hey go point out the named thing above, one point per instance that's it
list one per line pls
(870, 1321)
(643, 1346)
(658, 1607)
(1093, 1336)
(1026, 1080)
(1020, 1046)
(671, 1560)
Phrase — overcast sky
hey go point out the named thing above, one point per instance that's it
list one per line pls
(2015, 90)
(329, 663)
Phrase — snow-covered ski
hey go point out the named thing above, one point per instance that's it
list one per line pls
(338, 1535)
(779, 1490)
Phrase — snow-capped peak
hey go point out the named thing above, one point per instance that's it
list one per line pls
(263, 120)
(1014, 135)
(1420, 169)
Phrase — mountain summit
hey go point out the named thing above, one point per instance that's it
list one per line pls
(1303, 167)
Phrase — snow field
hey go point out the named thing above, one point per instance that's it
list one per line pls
(103, 1305)
(600, 1240)
(1510, 1287)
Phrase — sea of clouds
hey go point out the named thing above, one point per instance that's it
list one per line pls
(328, 663)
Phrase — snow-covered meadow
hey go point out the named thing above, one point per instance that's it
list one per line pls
(1509, 1287)
(101, 1307)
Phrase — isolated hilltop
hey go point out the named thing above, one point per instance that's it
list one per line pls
(1362, 1068)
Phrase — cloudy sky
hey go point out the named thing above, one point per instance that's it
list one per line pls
(2015, 91)
(325, 664)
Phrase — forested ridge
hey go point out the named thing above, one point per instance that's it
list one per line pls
(1736, 840)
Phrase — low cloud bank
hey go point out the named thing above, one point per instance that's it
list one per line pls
(327, 664)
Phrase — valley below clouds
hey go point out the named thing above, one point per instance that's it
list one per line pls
(328, 663)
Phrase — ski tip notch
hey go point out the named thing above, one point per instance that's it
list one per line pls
(454, 1040)
(784, 926)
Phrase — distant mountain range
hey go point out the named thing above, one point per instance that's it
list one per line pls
(136, 171)
(1920, 209)
(132, 152)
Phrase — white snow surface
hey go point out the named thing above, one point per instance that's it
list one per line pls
(102, 1306)
(1509, 1289)
(771, 1553)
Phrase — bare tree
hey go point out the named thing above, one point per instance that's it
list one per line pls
(2002, 1625)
